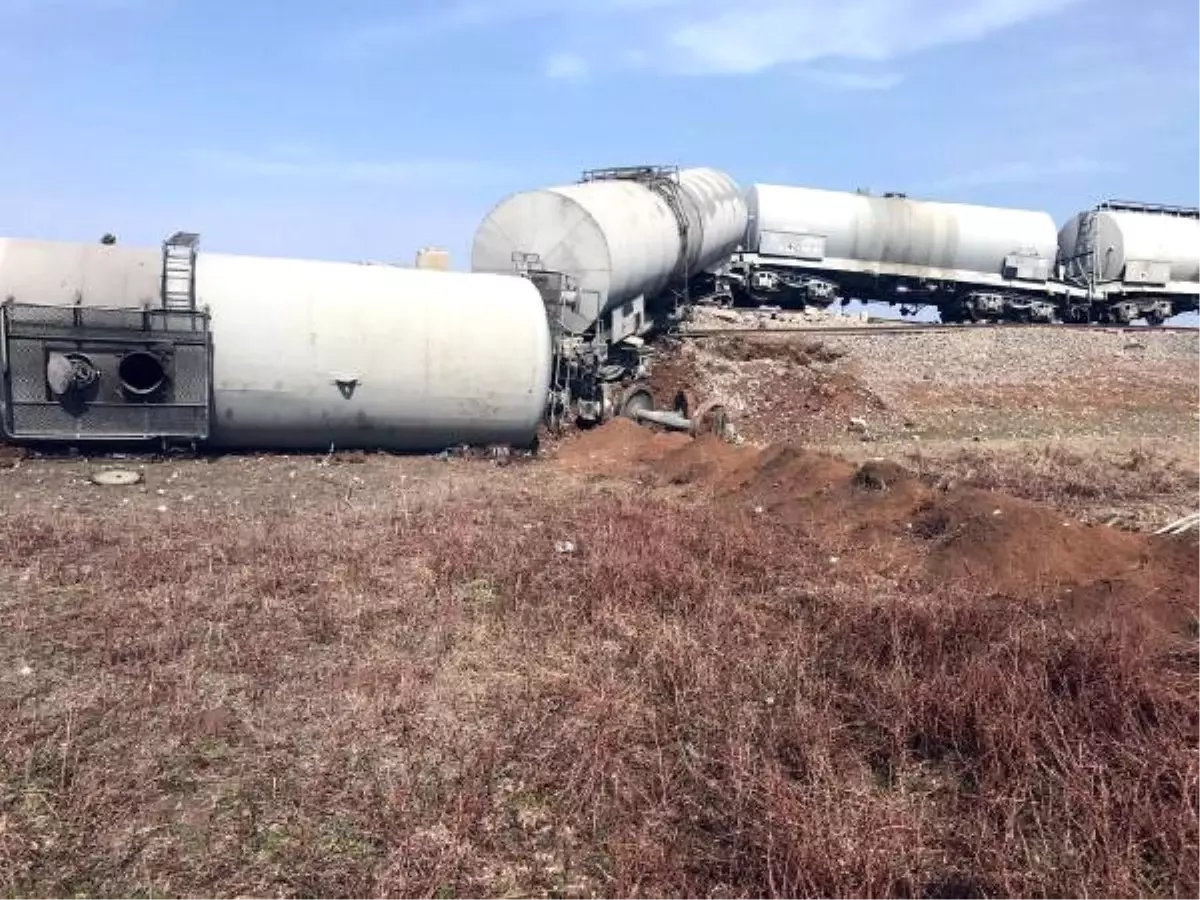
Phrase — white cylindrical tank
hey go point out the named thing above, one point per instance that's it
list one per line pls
(897, 230)
(309, 353)
(1132, 246)
(717, 216)
(618, 239)
(53, 273)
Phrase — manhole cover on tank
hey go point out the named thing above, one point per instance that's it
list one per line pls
(116, 476)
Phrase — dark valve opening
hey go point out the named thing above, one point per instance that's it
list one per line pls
(142, 374)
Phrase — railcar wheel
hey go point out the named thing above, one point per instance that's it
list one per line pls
(635, 402)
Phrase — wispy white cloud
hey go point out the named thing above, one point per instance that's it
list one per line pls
(760, 35)
(1021, 172)
(713, 37)
(303, 164)
(855, 81)
(566, 66)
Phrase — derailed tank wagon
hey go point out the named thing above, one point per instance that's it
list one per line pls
(616, 257)
(570, 284)
(113, 344)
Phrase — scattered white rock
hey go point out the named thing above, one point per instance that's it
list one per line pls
(107, 477)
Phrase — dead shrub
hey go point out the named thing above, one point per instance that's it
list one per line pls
(580, 694)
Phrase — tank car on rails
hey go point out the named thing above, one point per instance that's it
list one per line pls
(805, 245)
(617, 257)
(1117, 263)
(103, 343)
(1139, 260)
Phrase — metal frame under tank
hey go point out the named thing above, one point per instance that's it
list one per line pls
(89, 373)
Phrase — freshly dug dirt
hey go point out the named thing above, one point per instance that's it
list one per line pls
(939, 532)
(777, 390)
(617, 447)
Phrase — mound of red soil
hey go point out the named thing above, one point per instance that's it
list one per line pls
(993, 542)
(617, 448)
(1014, 544)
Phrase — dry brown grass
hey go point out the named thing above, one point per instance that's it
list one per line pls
(776, 347)
(1141, 486)
(430, 699)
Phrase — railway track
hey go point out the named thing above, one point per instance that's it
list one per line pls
(896, 329)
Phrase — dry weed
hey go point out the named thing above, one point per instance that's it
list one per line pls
(438, 700)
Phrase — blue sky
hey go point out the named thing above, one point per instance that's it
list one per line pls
(353, 129)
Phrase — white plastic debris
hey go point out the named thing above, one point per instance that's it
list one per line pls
(109, 477)
(564, 546)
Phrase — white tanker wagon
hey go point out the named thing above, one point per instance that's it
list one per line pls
(805, 245)
(115, 344)
(616, 257)
(1116, 263)
(1136, 259)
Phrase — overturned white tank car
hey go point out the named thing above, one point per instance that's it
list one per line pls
(615, 256)
(109, 343)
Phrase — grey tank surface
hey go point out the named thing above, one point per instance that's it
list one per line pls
(1149, 246)
(619, 240)
(894, 230)
(306, 354)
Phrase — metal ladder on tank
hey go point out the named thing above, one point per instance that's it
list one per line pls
(1080, 269)
(664, 181)
(179, 271)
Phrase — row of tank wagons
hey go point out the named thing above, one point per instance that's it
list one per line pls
(1117, 262)
(109, 343)
(609, 246)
